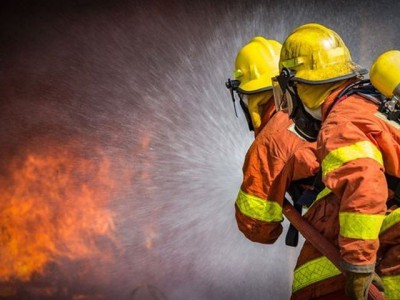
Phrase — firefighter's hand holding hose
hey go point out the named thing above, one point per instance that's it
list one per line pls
(357, 284)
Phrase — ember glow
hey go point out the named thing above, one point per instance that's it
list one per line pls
(53, 207)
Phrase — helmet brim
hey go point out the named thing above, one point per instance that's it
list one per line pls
(261, 84)
(330, 74)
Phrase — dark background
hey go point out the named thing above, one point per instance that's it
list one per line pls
(143, 81)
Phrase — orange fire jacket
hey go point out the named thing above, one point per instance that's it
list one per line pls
(349, 154)
(260, 199)
(356, 146)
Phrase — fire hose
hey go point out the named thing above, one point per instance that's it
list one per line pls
(320, 242)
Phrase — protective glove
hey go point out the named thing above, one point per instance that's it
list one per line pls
(357, 284)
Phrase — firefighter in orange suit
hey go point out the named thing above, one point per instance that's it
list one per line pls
(322, 90)
(259, 202)
(385, 76)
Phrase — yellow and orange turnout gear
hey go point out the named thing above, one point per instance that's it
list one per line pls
(260, 199)
(276, 146)
(359, 148)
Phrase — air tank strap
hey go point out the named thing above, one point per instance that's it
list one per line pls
(302, 197)
(394, 184)
(361, 87)
(308, 196)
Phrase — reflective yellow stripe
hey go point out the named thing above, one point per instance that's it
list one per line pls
(340, 156)
(323, 193)
(313, 271)
(257, 208)
(360, 226)
(392, 287)
(390, 220)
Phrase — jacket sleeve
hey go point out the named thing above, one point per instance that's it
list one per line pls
(258, 216)
(271, 163)
(352, 168)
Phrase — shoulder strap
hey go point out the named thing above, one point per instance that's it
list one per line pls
(390, 108)
(300, 198)
(363, 88)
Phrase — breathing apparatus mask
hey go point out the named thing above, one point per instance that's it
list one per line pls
(233, 85)
(287, 99)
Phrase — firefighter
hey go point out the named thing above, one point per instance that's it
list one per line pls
(385, 76)
(320, 88)
(277, 146)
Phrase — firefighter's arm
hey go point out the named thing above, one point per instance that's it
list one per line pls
(259, 216)
(256, 230)
(354, 171)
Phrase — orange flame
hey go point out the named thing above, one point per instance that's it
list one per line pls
(52, 206)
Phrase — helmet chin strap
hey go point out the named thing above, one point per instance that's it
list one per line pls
(246, 113)
(232, 85)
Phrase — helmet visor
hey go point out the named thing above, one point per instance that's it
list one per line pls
(289, 100)
(280, 85)
(279, 96)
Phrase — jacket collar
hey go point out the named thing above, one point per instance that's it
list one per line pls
(330, 101)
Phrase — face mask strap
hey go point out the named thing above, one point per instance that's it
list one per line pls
(284, 78)
(305, 125)
(232, 85)
(294, 100)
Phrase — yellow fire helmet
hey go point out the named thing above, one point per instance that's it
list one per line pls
(256, 63)
(385, 73)
(318, 55)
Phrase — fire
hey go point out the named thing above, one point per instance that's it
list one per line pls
(53, 207)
